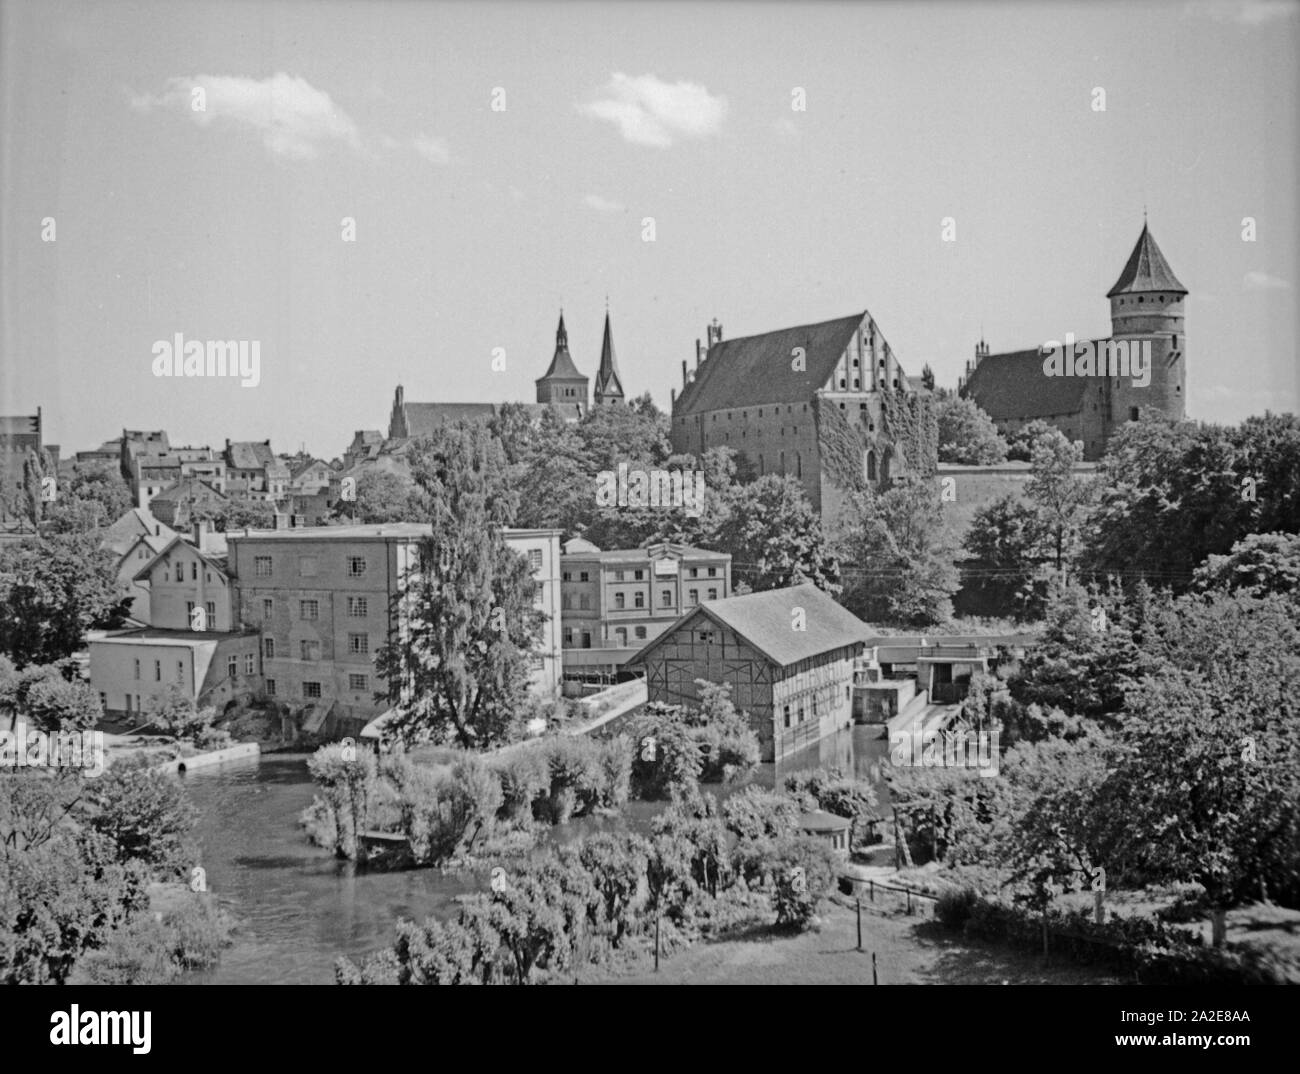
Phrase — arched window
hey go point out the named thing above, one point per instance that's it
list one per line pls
(870, 465)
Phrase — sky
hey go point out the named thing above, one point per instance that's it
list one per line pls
(501, 161)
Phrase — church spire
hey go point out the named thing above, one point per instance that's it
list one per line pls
(609, 384)
(562, 383)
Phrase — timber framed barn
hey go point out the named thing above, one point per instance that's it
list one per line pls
(788, 655)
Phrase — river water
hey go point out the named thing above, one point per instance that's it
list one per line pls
(298, 908)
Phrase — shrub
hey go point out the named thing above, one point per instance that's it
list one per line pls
(755, 814)
(954, 905)
(213, 738)
(346, 776)
(728, 745)
(667, 760)
(145, 815)
(442, 815)
(803, 869)
(575, 772)
(524, 775)
(176, 714)
(616, 756)
(829, 791)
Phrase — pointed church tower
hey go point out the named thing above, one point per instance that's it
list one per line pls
(609, 385)
(1146, 307)
(563, 385)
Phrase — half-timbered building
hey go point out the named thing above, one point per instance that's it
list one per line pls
(788, 655)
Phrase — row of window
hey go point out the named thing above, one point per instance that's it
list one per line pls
(309, 649)
(357, 682)
(638, 599)
(823, 697)
(209, 607)
(620, 637)
(180, 572)
(262, 566)
(638, 575)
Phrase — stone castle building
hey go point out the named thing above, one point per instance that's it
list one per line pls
(828, 404)
(1146, 307)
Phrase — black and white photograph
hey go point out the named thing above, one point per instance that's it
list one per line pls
(622, 494)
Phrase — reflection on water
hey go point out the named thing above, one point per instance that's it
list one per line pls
(298, 908)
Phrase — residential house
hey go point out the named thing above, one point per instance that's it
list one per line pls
(322, 599)
(613, 602)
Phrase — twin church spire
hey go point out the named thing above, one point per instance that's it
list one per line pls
(562, 382)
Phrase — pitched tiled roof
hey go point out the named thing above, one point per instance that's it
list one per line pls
(251, 455)
(1013, 385)
(1147, 270)
(189, 488)
(757, 369)
(766, 621)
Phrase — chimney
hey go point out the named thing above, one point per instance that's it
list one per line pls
(201, 535)
(700, 351)
(683, 373)
(672, 398)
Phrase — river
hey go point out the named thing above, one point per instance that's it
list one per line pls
(298, 908)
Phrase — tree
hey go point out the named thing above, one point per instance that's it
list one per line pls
(927, 377)
(636, 434)
(93, 497)
(54, 704)
(227, 516)
(775, 537)
(1257, 565)
(145, 816)
(52, 590)
(967, 434)
(175, 713)
(898, 556)
(1206, 780)
(347, 777)
(458, 667)
(387, 497)
(1060, 496)
(1171, 493)
(32, 504)
(1010, 543)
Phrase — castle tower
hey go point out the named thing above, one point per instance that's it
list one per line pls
(609, 385)
(563, 384)
(1146, 306)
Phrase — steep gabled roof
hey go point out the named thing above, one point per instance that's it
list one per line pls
(608, 381)
(562, 367)
(753, 370)
(1013, 385)
(766, 620)
(1147, 270)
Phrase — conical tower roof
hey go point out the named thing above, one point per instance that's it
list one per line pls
(562, 367)
(608, 380)
(1146, 270)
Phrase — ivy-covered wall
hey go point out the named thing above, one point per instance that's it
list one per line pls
(911, 424)
(840, 446)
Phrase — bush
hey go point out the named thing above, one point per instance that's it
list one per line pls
(576, 777)
(827, 790)
(443, 814)
(616, 757)
(954, 905)
(524, 775)
(755, 814)
(667, 761)
(145, 815)
(346, 776)
(176, 714)
(213, 738)
(803, 869)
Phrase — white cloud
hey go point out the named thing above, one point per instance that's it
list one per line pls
(603, 205)
(434, 150)
(1262, 281)
(293, 118)
(1243, 12)
(649, 111)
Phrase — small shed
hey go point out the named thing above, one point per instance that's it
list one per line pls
(834, 830)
